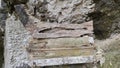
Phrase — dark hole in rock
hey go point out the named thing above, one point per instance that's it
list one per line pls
(60, 13)
(51, 20)
(85, 28)
(43, 16)
(35, 22)
(42, 31)
(81, 36)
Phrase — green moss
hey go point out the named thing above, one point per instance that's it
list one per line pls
(112, 60)
(112, 55)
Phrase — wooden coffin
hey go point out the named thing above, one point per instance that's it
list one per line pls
(61, 44)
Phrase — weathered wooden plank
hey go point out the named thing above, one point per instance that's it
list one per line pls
(86, 25)
(62, 60)
(61, 43)
(55, 30)
(35, 49)
(56, 53)
(60, 47)
(67, 42)
(62, 34)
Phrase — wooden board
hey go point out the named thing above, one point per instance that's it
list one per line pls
(55, 30)
(62, 34)
(86, 25)
(62, 61)
(60, 42)
(60, 47)
(59, 52)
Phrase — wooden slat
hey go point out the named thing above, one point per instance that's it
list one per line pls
(86, 25)
(55, 30)
(67, 42)
(62, 60)
(59, 52)
(62, 34)
(60, 43)
(60, 47)
(57, 49)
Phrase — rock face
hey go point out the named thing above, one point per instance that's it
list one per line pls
(15, 42)
(61, 11)
(106, 18)
(52, 11)
(3, 15)
(72, 11)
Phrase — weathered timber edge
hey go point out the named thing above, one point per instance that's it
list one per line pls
(61, 61)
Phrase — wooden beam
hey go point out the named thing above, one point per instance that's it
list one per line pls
(62, 34)
(57, 49)
(62, 61)
(86, 25)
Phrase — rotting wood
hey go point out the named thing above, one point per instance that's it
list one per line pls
(62, 34)
(54, 41)
(58, 49)
(62, 60)
(54, 49)
(55, 30)
(60, 42)
(86, 25)
(41, 50)
(47, 53)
